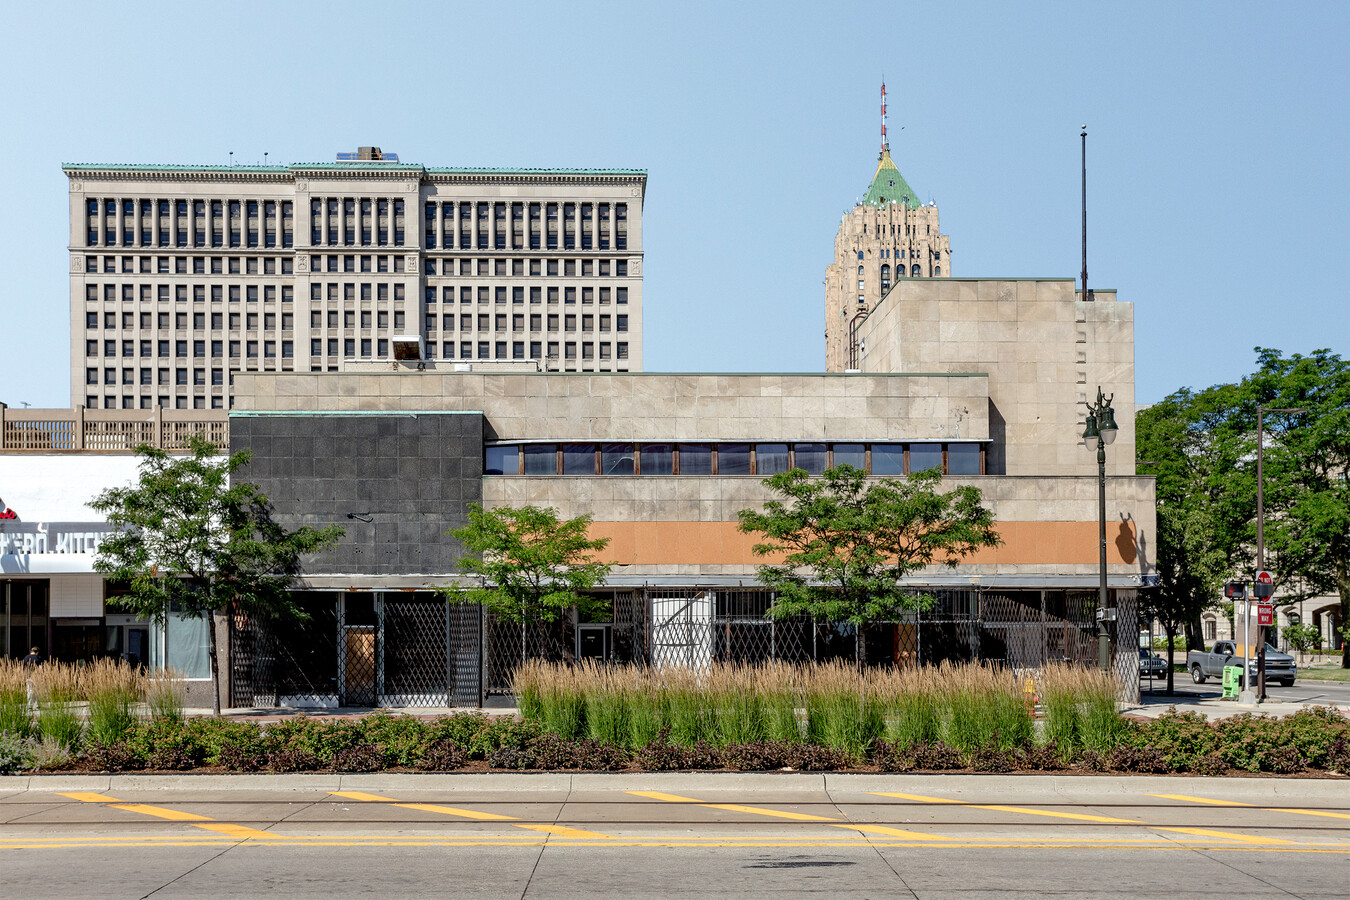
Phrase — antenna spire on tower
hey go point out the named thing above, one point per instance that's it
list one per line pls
(885, 144)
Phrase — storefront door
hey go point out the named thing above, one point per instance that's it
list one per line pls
(23, 618)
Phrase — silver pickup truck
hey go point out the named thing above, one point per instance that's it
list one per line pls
(1280, 667)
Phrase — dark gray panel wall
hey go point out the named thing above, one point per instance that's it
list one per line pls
(412, 474)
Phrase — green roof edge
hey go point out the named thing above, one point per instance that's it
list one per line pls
(345, 166)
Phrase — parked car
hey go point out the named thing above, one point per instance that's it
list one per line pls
(1152, 664)
(1280, 668)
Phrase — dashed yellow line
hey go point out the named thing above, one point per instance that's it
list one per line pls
(733, 807)
(829, 821)
(1081, 817)
(1085, 817)
(1190, 799)
(557, 830)
(1278, 809)
(241, 832)
(424, 807)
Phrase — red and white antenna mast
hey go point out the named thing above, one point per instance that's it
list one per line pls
(885, 144)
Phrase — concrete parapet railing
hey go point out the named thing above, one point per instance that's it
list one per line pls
(82, 430)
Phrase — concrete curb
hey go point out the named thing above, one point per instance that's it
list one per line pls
(1256, 791)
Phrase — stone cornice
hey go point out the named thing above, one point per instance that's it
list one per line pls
(259, 174)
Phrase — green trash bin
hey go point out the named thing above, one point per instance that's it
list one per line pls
(1232, 682)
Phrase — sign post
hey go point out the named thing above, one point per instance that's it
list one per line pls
(1263, 589)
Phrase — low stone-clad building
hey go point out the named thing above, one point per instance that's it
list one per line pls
(982, 380)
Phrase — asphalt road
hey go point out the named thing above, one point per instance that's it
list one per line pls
(674, 835)
(1303, 691)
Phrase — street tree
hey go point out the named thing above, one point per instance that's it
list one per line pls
(843, 544)
(189, 539)
(1173, 438)
(1307, 464)
(532, 565)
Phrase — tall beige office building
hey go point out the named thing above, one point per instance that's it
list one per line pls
(887, 236)
(182, 276)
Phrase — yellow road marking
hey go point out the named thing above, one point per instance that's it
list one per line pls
(241, 832)
(90, 798)
(424, 807)
(1089, 818)
(160, 812)
(565, 831)
(734, 807)
(1212, 802)
(1081, 817)
(833, 822)
(1189, 799)
(895, 832)
(560, 830)
(1205, 832)
(921, 798)
(1314, 812)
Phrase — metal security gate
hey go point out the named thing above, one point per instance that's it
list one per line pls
(414, 630)
(464, 653)
(412, 649)
(293, 663)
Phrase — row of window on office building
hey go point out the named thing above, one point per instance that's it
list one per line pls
(517, 323)
(350, 262)
(218, 292)
(536, 350)
(201, 265)
(159, 349)
(486, 294)
(191, 223)
(481, 225)
(614, 458)
(499, 266)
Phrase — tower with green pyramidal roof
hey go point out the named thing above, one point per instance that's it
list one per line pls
(890, 234)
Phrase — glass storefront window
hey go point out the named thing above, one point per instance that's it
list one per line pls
(696, 459)
(541, 459)
(578, 459)
(810, 457)
(657, 459)
(888, 459)
(850, 455)
(187, 646)
(616, 459)
(502, 461)
(733, 459)
(963, 459)
(770, 459)
(925, 456)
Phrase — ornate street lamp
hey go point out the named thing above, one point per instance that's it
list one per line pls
(1100, 429)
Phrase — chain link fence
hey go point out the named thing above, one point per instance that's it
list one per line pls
(412, 649)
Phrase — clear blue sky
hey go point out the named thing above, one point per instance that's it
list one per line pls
(1217, 148)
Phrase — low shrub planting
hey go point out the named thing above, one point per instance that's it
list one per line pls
(1313, 741)
(15, 754)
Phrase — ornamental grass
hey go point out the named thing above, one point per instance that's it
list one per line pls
(16, 717)
(113, 691)
(968, 707)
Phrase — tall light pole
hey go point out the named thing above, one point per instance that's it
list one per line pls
(1100, 429)
(1261, 531)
